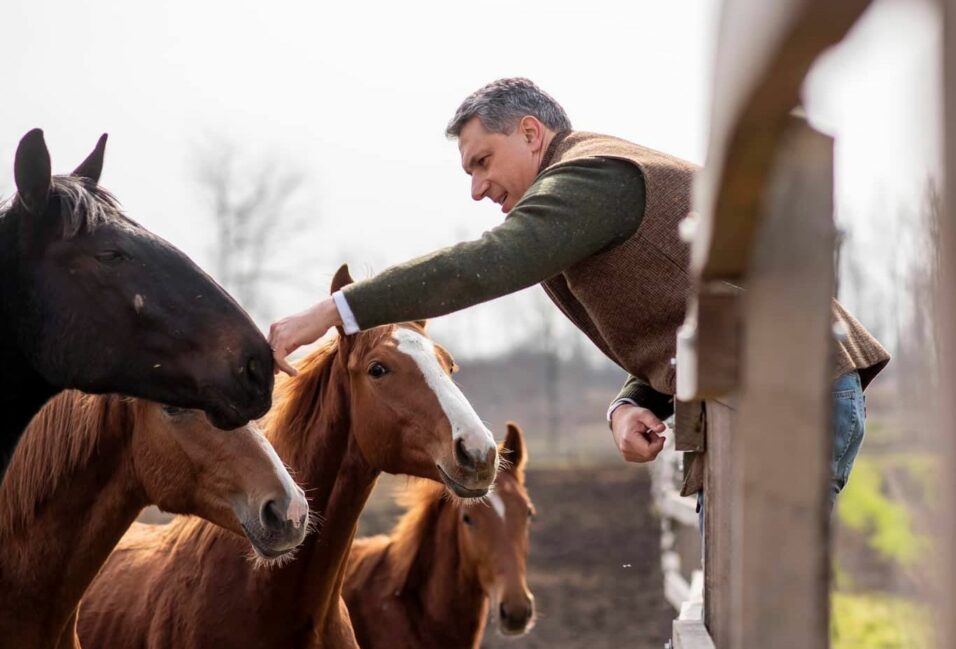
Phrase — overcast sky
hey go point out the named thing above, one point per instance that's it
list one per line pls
(357, 95)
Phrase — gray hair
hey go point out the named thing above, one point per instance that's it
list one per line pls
(502, 103)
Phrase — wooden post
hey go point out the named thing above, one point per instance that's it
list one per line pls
(782, 442)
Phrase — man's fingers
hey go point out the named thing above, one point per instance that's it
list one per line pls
(284, 365)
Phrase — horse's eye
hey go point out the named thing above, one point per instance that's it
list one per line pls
(110, 257)
(466, 519)
(173, 411)
(376, 370)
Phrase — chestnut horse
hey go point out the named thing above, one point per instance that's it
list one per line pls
(86, 467)
(428, 585)
(379, 400)
(91, 300)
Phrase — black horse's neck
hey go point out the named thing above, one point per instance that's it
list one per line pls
(22, 390)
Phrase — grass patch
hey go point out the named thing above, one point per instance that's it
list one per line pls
(878, 622)
(888, 524)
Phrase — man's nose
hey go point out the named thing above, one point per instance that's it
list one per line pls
(478, 188)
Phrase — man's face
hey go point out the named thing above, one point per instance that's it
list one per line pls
(502, 167)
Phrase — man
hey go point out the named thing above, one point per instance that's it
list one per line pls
(591, 218)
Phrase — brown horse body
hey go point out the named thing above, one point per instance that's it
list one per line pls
(86, 467)
(429, 584)
(360, 405)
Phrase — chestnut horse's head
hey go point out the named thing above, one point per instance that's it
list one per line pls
(408, 415)
(94, 301)
(494, 540)
(231, 478)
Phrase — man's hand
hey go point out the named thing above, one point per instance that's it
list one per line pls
(636, 432)
(288, 334)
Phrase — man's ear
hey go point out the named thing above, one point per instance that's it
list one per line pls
(532, 130)
(514, 450)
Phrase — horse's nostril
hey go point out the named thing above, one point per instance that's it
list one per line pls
(465, 459)
(271, 516)
(503, 611)
(254, 368)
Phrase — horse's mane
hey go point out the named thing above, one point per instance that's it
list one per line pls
(61, 438)
(83, 205)
(299, 400)
(422, 500)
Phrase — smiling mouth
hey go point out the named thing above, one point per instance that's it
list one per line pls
(460, 489)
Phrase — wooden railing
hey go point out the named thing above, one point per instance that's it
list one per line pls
(756, 346)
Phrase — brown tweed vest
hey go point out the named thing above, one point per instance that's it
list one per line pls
(630, 300)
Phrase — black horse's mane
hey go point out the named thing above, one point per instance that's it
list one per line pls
(83, 205)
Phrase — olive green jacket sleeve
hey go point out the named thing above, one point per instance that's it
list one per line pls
(639, 392)
(568, 214)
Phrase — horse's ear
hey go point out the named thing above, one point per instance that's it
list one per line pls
(514, 448)
(92, 167)
(31, 170)
(341, 278)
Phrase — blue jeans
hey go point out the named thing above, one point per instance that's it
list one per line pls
(847, 424)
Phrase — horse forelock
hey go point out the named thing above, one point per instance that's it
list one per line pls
(301, 403)
(61, 438)
(83, 206)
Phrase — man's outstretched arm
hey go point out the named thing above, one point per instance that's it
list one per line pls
(568, 214)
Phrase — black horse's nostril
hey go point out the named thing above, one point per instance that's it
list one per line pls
(254, 368)
(271, 516)
(503, 611)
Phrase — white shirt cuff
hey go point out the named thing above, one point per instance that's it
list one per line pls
(349, 323)
(616, 404)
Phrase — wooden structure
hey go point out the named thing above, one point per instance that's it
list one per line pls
(756, 362)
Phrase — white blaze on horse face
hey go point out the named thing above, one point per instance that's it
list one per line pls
(298, 511)
(465, 424)
(498, 504)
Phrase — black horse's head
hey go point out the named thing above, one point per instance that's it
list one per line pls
(101, 304)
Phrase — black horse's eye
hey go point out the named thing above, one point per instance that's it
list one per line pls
(110, 257)
(376, 370)
(173, 411)
(466, 519)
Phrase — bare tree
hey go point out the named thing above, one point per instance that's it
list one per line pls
(255, 205)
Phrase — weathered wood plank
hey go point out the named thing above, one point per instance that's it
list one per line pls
(718, 521)
(781, 441)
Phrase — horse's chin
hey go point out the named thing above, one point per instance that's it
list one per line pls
(459, 489)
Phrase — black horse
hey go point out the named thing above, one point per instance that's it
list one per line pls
(91, 300)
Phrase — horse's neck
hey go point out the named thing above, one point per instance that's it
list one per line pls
(340, 505)
(22, 391)
(338, 481)
(453, 603)
(54, 554)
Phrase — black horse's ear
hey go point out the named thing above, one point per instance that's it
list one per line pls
(514, 449)
(31, 170)
(92, 167)
(341, 278)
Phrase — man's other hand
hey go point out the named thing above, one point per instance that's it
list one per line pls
(637, 433)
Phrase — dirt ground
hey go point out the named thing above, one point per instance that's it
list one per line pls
(594, 562)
